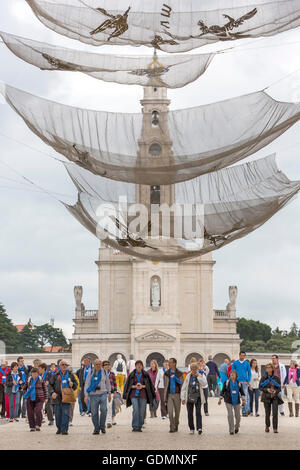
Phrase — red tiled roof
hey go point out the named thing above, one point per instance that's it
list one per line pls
(54, 349)
(19, 327)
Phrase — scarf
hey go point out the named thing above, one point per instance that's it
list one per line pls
(65, 380)
(16, 378)
(193, 380)
(86, 371)
(44, 376)
(95, 380)
(3, 374)
(234, 391)
(292, 375)
(268, 380)
(138, 378)
(31, 389)
(172, 381)
(23, 373)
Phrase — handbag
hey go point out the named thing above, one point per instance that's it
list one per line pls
(67, 395)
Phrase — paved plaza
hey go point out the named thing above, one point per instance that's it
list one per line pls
(156, 436)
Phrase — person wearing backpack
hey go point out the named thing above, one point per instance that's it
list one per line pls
(120, 371)
(232, 393)
(192, 395)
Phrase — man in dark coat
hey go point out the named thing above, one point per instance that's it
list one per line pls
(63, 378)
(138, 391)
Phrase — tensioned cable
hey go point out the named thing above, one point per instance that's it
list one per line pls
(50, 193)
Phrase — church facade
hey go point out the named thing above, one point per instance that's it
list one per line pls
(148, 309)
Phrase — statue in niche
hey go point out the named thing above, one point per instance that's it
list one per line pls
(155, 294)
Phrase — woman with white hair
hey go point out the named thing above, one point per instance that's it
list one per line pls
(192, 395)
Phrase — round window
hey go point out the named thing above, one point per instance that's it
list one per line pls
(155, 150)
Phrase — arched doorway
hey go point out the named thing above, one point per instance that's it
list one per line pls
(219, 358)
(91, 356)
(188, 358)
(112, 358)
(159, 358)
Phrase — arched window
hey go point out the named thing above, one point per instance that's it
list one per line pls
(156, 356)
(219, 358)
(155, 150)
(113, 357)
(91, 356)
(155, 195)
(155, 118)
(155, 292)
(188, 358)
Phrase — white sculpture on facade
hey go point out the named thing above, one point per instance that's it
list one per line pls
(231, 307)
(155, 294)
(78, 292)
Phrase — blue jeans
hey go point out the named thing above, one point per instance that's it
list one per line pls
(80, 404)
(22, 406)
(11, 397)
(246, 408)
(96, 402)
(138, 412)
(254, 396)
(62, 416)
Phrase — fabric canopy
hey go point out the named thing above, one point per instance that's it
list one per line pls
(165, 71)
(172, 26)
(235, 202)
(195, 140)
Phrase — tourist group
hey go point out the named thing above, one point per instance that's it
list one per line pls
(101, 389)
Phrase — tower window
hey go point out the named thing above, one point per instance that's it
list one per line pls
(155, 119)
(155, 195)
(155, 150)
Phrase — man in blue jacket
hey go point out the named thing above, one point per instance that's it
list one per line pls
(243, 370)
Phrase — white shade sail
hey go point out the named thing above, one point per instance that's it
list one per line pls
(235, 202)
(199, 140)
(172, 26)
(173, 71)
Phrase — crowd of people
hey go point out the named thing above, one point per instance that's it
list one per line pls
(39, 391)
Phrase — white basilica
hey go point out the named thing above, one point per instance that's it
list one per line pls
(149, 309)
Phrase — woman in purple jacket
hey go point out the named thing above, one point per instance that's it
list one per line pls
(36, 395)
(152, 372)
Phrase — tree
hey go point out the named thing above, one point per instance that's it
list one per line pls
(29, 342)
(251, 330)
(8, 332)
(293, 333)
(49, 336)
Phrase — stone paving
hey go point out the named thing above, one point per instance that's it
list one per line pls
(155, 436)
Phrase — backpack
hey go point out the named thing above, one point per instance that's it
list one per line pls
(120, 367)
(193, 392)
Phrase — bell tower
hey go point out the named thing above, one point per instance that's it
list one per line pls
(155, 145)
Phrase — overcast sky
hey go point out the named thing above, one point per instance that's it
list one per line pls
(44, 252)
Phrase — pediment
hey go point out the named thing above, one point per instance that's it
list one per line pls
(156, 336)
